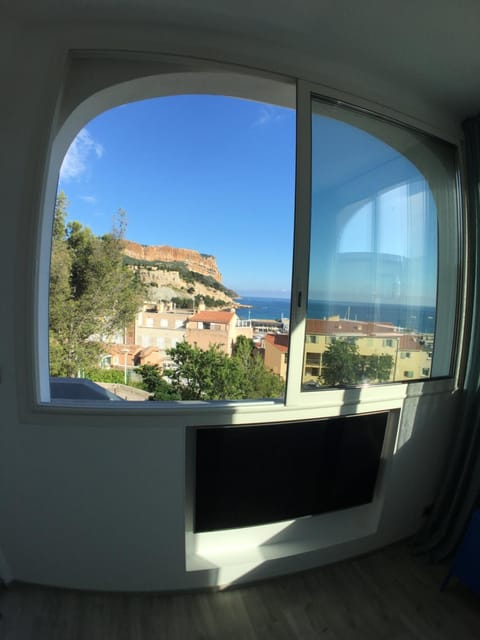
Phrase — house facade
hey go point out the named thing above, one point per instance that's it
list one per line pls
(275, 353)
(222, 328)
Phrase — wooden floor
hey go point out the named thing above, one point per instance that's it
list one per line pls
(388, 595)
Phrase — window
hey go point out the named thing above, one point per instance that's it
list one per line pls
(376, 203)
(373, 222)
(215, 162)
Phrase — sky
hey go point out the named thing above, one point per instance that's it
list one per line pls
(217, 175)
(209, 173)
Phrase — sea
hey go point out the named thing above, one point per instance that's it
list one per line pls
(420, 319)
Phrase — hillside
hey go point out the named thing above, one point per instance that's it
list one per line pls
(194, 261)
(178, 274)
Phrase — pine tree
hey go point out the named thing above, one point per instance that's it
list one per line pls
(92, 293)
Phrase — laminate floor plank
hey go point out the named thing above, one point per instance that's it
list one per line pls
(386, 595)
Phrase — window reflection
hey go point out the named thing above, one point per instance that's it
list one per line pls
(373, 260)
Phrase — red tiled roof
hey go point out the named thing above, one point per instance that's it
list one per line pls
(222, 317)
(278, 340)
(348, 327)
(409, 342)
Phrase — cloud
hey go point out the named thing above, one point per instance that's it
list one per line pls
(89, 199)
(78, 156)
(268, 114)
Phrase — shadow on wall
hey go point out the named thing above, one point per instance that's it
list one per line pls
(408, 478)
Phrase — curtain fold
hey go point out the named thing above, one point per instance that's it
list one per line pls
(459, 492)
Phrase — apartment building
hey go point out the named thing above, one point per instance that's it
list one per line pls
(222, 328)
(159, 326)
(275, 353)
(411, 353)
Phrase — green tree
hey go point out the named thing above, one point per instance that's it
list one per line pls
(198, 374)
(105, 375)
(92, 293)
(343, 365)
(210, 374)
(378, 368)
(154, 383)
(256, 380)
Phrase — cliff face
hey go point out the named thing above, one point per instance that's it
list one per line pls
(195, 261)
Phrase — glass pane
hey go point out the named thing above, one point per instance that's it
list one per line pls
(372, 294)
(189, 301)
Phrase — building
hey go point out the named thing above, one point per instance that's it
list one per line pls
(411, 353)
(119, 356)
(98, 498)
(222, 328)
(158, 326)
(275, 353)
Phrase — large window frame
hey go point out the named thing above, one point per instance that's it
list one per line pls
(449, 269)
(172, 77)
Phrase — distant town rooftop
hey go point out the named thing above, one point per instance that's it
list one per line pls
(221, 317)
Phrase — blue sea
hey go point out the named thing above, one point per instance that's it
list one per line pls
(417, 318)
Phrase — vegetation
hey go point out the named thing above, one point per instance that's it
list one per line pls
(196, 374)
(343, 365)
(92, 293)
(105, 375)
(186, 274)
(154, 383)
(208, 301)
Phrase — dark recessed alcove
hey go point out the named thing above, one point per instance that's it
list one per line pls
(263, 473)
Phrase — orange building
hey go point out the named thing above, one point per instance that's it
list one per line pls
(207, 328)
(276, 353)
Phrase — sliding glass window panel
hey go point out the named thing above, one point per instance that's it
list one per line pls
(204, 265)
(379, 191)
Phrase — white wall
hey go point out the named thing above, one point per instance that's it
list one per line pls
(94, 500)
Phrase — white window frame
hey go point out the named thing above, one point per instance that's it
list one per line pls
(449, 270)
(330, 401)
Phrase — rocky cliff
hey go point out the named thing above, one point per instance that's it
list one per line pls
(195, 261)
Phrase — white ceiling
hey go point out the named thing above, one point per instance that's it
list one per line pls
(430, 47)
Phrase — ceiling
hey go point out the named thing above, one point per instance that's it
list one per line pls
(430, 47)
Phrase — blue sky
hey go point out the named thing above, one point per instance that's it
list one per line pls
(209, 173)
(217, 175)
